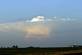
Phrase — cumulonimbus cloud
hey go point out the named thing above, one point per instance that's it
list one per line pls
(32, 28)
(37, 30)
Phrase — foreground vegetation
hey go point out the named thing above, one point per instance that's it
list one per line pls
(37, 50)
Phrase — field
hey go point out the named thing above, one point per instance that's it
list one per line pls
(42, 51)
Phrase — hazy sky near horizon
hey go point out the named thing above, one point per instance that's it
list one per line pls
(44, 23)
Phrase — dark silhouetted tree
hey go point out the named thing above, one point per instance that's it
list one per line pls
(14, 46)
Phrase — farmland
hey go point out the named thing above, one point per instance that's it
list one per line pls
(41, 51)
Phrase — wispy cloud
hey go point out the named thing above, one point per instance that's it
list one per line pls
(46, 19)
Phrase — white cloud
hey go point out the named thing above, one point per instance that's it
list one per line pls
(44, 19)
(38, 18)
(66, 19)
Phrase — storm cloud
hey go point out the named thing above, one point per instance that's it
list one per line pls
(44, 32)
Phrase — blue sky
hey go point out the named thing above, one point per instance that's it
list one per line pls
(19, 9)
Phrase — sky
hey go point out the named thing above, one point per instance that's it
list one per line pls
(19, 9)
(43, 23)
